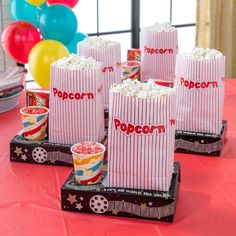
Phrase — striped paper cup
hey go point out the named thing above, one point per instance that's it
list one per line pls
(88, 168)
(35, 125)
(130, 70)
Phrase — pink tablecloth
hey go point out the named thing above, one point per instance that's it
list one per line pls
(30, 194)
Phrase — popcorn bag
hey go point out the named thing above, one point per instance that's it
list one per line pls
(141, 140)
(200, 93)
(109, 54)
(76, 102)
(159, 46)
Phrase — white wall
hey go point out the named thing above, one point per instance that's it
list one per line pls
(5, 19)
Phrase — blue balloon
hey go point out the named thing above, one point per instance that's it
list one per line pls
(22, 10)
(72, 46)
(58, 22)
(41, 8)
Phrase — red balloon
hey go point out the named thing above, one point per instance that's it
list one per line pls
(18, 38)
(69, 3)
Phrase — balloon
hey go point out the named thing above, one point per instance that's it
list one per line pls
(42, 55)
(69, 3)
(72, 46)
(18, 38)
(41, 8)
(36, 2)
(58, 22)
(22, 10)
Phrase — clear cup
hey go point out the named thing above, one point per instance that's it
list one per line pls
(35, 125)
(88, 168)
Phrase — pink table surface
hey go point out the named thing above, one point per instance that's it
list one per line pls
(30, 194)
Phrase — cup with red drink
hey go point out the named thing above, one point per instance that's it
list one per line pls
(35, 121)
(88, 162)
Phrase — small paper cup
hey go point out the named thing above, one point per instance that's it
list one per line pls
(35, 125)
(88, 168)
(130, 70)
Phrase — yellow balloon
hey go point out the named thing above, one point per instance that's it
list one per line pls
(36, 2)
(41, 56)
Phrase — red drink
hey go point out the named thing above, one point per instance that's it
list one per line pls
(87, 148)
(34, 110)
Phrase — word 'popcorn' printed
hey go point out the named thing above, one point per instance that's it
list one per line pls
(202, 84)
(70, 95)
(129, 128)
(158, 50)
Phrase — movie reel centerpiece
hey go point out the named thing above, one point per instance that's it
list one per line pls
(200, 102)
(141, 180)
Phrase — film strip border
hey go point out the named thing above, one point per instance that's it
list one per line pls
(142, 210)
(110, 190)
(73, 186)
(197, 146)
(59, 156)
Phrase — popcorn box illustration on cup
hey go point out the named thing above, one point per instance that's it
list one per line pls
(37, 97)
(134, 54)
(35, 120)
(88, 162)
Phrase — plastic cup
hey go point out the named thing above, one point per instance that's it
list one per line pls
(35, 120)
(88, 167)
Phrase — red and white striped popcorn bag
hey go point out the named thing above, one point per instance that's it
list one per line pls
(200, 94)
(141, 140)
(76, 106)
(110, 57)
(158, 54)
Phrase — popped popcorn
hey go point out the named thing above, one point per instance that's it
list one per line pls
(204, 54)
(97, 42)
(160, 27)
(75, 62)
(135, 88)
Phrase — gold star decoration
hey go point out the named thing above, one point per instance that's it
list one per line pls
(18, 151)
(143, 206)
(115, 211)
(72, 199)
